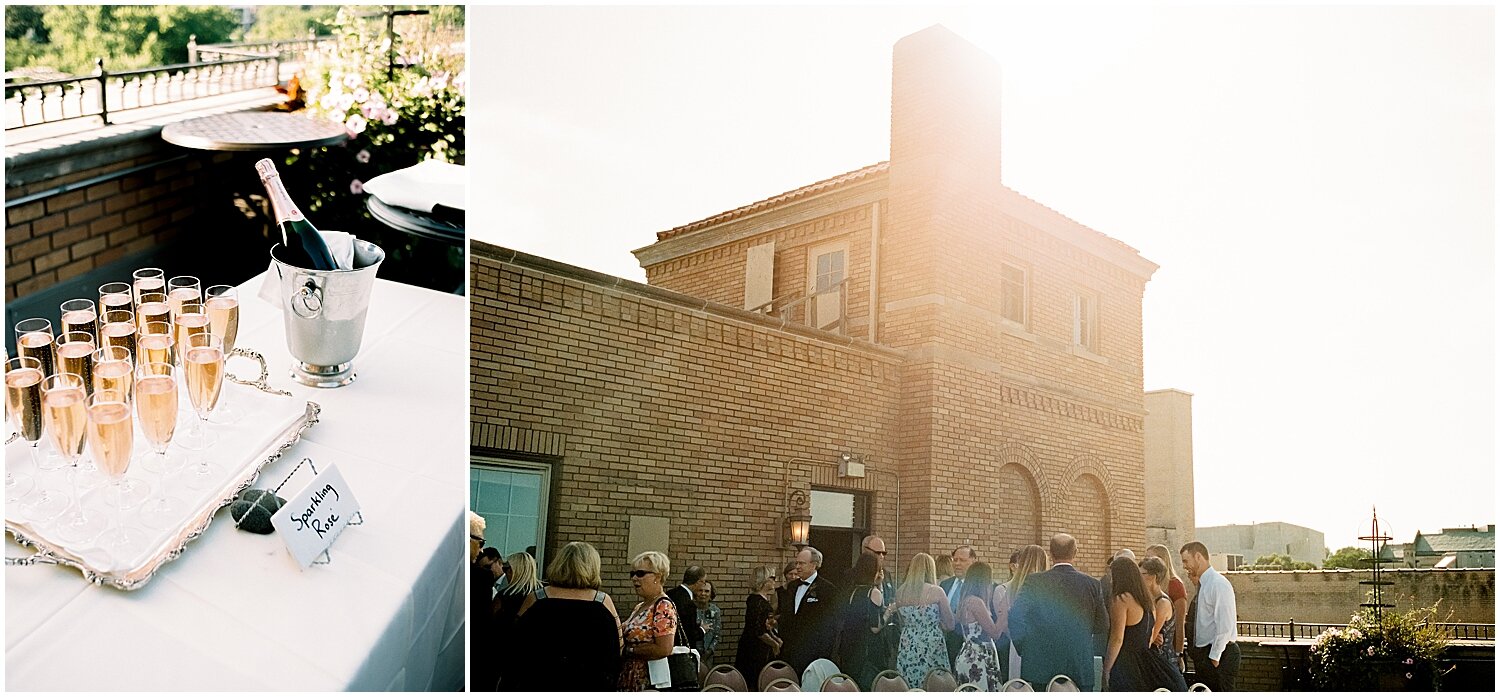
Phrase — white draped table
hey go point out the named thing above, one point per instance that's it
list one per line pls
(235, 612)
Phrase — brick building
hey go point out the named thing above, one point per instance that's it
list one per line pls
(910, 349)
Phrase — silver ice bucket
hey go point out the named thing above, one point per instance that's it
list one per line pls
(324, 313)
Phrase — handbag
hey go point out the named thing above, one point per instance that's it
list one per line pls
(678, 671)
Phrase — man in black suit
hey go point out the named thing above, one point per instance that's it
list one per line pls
(1055, 618)
(694, 581)
(809, 614)
(964, 557)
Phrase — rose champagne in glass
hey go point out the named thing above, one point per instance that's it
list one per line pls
(223, 305)
(34, 340)
(80, 316)
(119, 329)
(23, 407)
(203, 370)
(156, 409)
(65, 413)
(149, 280)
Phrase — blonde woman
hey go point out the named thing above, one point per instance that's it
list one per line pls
(1032, 559)
(520, 570)
(758, 641)
(651, 629)
(922, 610)
(568, 634)
(1177, 593)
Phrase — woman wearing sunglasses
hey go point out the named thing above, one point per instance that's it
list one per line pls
(568, 635)
(758, 641)
(651, 628)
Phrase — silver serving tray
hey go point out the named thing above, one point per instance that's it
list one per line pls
(52, 553)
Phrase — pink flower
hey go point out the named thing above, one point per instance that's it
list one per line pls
(1408, 676)
(1407, 661)
(372, 110)
(361, 94)
(346, 100)
(356, 187)
(356, 124)
(1370, 651)
(363, 157)
(390, 117)
(351, 81)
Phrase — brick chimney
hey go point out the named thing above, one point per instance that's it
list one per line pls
(945, 107)
(944, 177)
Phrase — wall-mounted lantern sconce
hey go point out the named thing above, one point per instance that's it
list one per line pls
(797, 527)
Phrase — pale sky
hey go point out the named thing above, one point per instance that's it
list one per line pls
(1317, 184)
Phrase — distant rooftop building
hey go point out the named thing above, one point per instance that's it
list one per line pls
(1259, 539)
(1453, 548)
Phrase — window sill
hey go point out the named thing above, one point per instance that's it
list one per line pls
(1015, 329)
(1084, 353)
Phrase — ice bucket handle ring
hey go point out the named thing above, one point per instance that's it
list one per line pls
(307, 302)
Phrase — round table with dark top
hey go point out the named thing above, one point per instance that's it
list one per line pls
(414, 222)
(254, 131)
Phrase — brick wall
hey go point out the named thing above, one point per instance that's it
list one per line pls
(1332, 596)
(664, 407)
(68, 234)
(980, 394)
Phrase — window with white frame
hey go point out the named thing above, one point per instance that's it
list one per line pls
(1086, 320)
(826, 269)
(1013, 293)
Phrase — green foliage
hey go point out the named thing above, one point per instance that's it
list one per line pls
(25, 22)
(125, 36)
(1278, 562)
(395, 118)
(291, 21)
(1347, 558)
(1404, 652)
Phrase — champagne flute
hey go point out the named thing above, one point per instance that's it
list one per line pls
(74, 350)
(80, 315)
(23, 406)
(203, 368)
(148, 280)
(34, 340)
(116, 296)
(113, 370)
(65, 413)
(156, 408)
(111, 438)
(153, 307)
(183, 290)
(223, 305)
(191, 320)
(154, 344)
(119, 329)
(23, 396)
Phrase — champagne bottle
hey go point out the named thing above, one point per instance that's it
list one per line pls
(302, 245)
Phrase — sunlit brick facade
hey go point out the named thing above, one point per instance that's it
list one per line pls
(980, 352)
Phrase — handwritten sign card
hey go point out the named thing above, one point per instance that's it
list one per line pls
(313, 518)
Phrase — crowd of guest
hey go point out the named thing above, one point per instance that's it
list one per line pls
(560, 631)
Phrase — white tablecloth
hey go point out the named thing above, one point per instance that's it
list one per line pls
(235, 612)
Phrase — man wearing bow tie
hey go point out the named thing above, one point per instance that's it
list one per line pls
(809, 614)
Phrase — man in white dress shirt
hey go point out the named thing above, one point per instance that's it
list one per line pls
(1216, 656)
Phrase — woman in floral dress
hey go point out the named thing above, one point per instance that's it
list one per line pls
(652, 627)
(977, 661)
(922, 611)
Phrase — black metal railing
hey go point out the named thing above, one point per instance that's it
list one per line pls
(105, 93)
(1292, 629)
